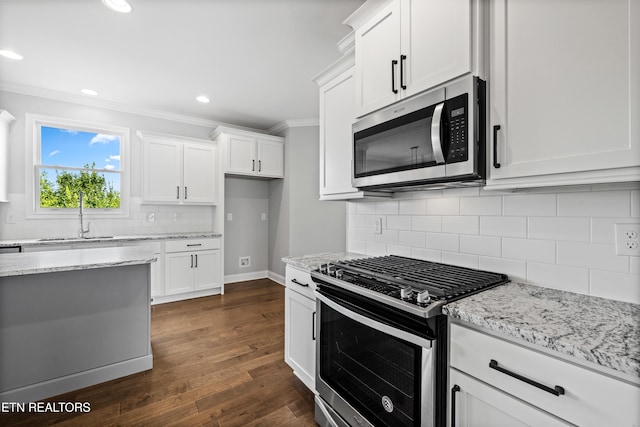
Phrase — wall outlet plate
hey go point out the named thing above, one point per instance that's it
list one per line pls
(244, 261)
(378, 226)
(628, 239)
(151, 216)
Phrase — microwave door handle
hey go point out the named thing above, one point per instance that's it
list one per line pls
(436, 132)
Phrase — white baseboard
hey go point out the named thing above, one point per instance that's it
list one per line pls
(277, 278)
(232, 278)
(57, 386)
(188, 295)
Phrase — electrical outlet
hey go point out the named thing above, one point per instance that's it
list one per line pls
(378, 226)
(151, 217)
(263, 216)
(627, 241)
(244, 261)
(229, 217)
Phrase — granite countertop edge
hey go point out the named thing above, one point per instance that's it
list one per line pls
(123, 238)
(590, 329)
(313, 261)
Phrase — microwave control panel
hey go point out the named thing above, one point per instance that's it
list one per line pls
(458, 147)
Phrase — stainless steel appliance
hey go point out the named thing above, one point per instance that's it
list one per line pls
(434, 139)
(382, 339)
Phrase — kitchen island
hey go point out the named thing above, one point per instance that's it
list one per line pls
(73, 318)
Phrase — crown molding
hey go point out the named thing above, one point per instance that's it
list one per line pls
(113, 105)
(294, 123)
(364, 13)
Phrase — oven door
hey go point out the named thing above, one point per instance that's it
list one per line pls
(369, 371)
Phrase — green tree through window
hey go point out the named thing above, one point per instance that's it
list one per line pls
(64, 193)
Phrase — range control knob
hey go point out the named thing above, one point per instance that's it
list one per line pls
(423, 298)
(405, 292)
(323, 268)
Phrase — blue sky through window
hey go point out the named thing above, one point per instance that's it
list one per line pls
(72, 148)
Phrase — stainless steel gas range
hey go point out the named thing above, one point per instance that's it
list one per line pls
(382, 339)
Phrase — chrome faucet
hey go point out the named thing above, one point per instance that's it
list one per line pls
(82, 230)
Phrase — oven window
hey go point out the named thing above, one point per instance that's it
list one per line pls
(400, 144)
(377, 374)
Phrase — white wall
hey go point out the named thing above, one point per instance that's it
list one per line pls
(247, 233)
(562, 239)
(168, 218)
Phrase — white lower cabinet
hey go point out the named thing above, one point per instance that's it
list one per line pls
(192, 265)
(498, 382)
(300, 324)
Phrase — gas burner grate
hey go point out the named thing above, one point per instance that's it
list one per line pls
(443, 281)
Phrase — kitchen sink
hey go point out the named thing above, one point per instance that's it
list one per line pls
(62, 239)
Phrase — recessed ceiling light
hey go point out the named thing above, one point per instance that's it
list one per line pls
(10, 54)
(89, 92)
(203, 99)
(118, 5)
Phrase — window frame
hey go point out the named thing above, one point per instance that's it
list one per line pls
(33, 146)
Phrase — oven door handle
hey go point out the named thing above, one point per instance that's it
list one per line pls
(405, 336)
(436, 134)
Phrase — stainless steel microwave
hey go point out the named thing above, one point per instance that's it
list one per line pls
(436, 139)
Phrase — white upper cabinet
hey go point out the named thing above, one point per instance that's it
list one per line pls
(251, 153)
(564, 92)
(410, 46)
(178, 172)
(5, 120)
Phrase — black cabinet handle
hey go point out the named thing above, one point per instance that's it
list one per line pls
(185, 192)
(556, 391)
(402, 60)
(193, 244)
(496, 128)
(253, 165)
(393, 76)
(191, 261)
(313, 326)
(305, 285)
(177, 192)
(259, 165)
(196, 260)
(454, 390)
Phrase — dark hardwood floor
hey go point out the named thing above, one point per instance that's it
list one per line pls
(217, 361)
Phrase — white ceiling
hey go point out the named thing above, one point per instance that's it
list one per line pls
(255, 59)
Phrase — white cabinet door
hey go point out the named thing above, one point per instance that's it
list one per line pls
(5, 121)
(200, 172)
(178, 273)
(565, 100)
(436, 42)
(241, 154)
(270, 159)
(479, 405)
(300, 345)
(336, 153)
(206, 269)
(377, 45)
(162, 177)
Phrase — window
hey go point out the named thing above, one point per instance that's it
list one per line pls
(71, 157)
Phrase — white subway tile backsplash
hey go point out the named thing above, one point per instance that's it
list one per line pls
(460, 224)
(481, 245)
(461, 192)
(426, 223)
(352, 207)
(450, 206)
(481, 205)
(506, 226)
(462, 260)
(356, 246)
(443, 242)
(560, 277)
(426, 254)
(387, 208)
(387, 236)
(366, 208)
(365, 234)
(634, 265)
(399, 222)
(428, 194)
(414, 239)
(559, 228)
(516, 270)
(398, 250)
(603, 230)
(412, 207)
(592, 255)
(530, 205)
(529, 250)
(623, 287)
(595, 204)
(375, 249)
(635, 203)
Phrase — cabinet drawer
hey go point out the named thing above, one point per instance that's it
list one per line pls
(300, 281)
(191, 245)
(589, 399)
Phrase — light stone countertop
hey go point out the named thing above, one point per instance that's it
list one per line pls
(17, 264)
(124, 238)
(591, 329)
(311, 262)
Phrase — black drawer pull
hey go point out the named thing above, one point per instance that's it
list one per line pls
(194, 244)
(306, 285)
(496, 163)
(393, 76)
(556, 391)
(454, 390)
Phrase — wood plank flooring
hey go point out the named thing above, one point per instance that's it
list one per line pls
(217, 361)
